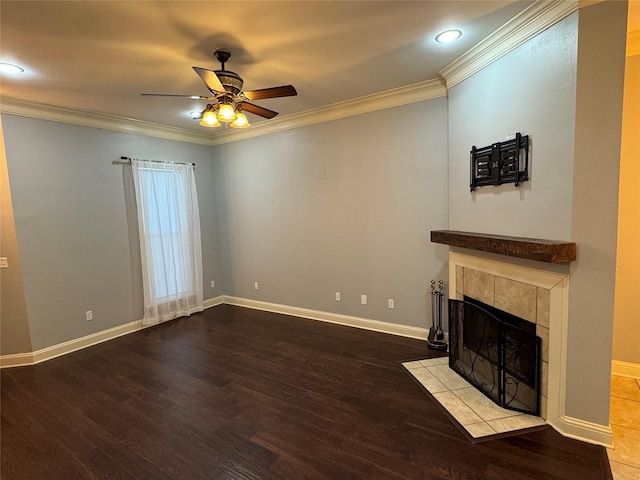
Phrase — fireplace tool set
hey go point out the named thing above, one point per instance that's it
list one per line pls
(435, 340)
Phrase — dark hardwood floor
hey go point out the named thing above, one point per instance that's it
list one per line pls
(234, 393)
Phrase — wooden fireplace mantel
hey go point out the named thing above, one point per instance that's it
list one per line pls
(550, 251)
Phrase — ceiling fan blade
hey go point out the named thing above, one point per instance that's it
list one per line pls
(273, 92)
(256, 110)
(195, 97)
(210, 79)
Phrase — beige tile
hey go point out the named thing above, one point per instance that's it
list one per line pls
(479, 285)
(459, 279)
(543, 333)
(626, 446)
(412, 365)
(516, 298)
(456, 407)
(431, 362)
(621, 471)
(447, 376)
(543, 406)
(484, 407)
(543, 306)
(428, 381)
(515, 423)
(623, 387)
(625, 413)
(481, 429)
(544, 379)
(464, 402)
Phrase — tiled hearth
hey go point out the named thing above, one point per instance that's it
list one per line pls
(478, 415)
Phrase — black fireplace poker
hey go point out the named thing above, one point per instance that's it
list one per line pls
(435, 340)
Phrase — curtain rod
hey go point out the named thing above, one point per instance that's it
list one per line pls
(128, 159)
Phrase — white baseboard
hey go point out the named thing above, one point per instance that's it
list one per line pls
(625, 369)
(16, 360)
(577, 429)
(212, 302)
(32, 358)
(350, 321)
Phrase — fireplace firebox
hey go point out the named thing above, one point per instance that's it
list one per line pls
(496, 352)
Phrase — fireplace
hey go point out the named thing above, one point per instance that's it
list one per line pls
(535, 293)
(496, 352)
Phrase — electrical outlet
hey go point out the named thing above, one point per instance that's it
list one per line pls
(392, 303)
(213, 284)
(4, 263)
(88, 315)
(337, 296)
(255, 285)
(363, 299)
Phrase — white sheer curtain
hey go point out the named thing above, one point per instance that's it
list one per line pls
(169, 226)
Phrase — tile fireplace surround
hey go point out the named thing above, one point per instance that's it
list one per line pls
(537, 295)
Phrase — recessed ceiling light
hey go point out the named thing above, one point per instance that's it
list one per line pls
(195, 114)
(448, 36)
(10, 68)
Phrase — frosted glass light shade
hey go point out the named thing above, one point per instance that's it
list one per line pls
(209, 119)
(226, 113)
(241, 121)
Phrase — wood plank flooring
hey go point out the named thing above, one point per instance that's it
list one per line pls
(234, 393)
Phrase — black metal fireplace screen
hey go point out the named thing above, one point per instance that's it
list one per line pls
(496, 352)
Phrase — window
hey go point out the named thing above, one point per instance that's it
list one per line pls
(169, 228)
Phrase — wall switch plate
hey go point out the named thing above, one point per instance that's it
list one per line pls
(88, 315)
(337, 296)
(363, 299)
(255, 285)
(213, 284)
(392, 303)
(4, 263)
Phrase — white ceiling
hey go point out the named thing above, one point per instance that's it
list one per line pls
(100, 55)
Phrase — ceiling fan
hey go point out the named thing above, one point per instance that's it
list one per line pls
(228, 99)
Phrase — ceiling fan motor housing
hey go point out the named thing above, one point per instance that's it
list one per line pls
(231, 81)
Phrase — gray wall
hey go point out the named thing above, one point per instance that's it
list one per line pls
(600, 74)
(531, 90)
(341, 206)
(72, 211)
(563, 88)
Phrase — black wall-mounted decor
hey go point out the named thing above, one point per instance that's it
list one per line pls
(503, 162)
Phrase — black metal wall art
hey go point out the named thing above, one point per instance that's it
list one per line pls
(502, 162)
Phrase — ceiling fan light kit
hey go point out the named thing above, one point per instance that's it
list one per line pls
(209, 118)
(230, 100)
(241, 121)
(226, 113)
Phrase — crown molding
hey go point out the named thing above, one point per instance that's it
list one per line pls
(391, 98)
(529, 23)
(379, 101)
(105, 121)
